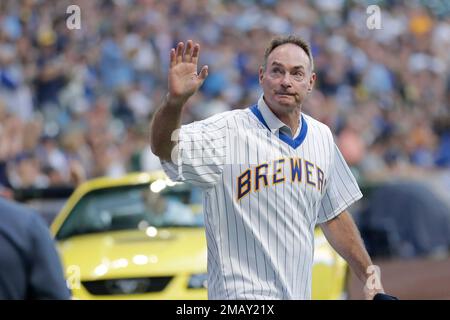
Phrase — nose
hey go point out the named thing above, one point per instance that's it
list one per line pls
(286, 80)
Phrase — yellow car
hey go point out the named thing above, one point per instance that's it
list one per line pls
(142, 237)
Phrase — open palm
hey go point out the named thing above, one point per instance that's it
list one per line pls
(184, 80)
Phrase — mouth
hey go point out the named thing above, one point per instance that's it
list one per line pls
(285, 94)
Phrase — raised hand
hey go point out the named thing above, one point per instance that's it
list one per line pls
(183, 78)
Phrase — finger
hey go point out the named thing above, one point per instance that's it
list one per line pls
(173, 60)
(188, 51)
(179, 53)
(195, 53)
(203, 73)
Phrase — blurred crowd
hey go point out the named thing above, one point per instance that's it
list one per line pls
(76, 104)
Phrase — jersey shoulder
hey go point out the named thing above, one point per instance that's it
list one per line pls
(228, 119)
(318, 128)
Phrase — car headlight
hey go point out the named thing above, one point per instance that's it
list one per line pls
(198, 281)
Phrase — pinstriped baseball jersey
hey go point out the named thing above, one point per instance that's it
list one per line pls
(264, 192)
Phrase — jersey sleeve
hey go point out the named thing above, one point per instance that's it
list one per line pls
(341, 191)
(200, 153)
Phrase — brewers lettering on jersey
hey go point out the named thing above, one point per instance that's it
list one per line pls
(269, 173)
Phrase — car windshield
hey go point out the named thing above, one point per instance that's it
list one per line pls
(134, 207)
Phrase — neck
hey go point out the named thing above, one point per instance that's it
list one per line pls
(289, 118)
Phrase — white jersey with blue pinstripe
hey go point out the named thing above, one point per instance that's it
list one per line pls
(264, 193)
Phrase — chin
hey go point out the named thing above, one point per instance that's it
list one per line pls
(285, 108)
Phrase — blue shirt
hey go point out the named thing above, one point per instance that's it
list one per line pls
(30, 267)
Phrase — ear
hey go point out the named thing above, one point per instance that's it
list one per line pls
(312, 80)
(261, 74)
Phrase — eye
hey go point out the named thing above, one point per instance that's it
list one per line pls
(277, 70)
(298, 74)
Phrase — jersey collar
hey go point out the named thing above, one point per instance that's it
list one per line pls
(274, 125)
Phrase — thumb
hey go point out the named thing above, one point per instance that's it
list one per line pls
(203, 73)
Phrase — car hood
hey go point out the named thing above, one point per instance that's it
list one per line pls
(135, 254)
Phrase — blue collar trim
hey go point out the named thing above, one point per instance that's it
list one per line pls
(294, 143)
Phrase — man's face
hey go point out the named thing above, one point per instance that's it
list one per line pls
(287, 79)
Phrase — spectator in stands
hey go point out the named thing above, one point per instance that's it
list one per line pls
(88, 87)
